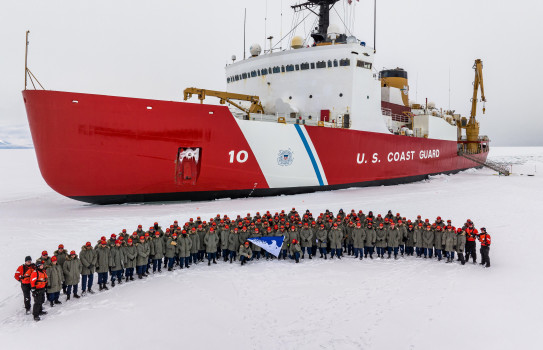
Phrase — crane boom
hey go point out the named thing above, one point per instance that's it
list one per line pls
(478, 67)
(256, 106)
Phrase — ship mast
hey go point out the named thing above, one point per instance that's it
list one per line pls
(320, 33)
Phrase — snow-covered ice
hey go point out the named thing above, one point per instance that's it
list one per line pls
(347, 304)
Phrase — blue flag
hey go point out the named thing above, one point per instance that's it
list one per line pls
(271, 244)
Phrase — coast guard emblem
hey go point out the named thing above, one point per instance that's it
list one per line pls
(285, 158)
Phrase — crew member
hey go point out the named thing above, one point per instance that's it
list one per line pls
(22, 275)
(485, 240)
(38, 283)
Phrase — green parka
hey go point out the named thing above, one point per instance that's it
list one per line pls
(306, 237)
(381, 238)
(61, 257)
(393, 237)
(157, 248)
(254, 247)
(371, 237)
(461, 242)
(143, 251)
(130, 254)
(359, 236)
(449, 241)
(184, 245)
(102, 259)
(225, 234)
(410, 238)
(428, 239)
(419, 242)
(322, 238)
(55, 277)
(195, 243)
(336, 238)
(233, 241)
(245, 251)
(211, 241)
(72, 270)
(116, 259)
(439, 239)
(88, 260)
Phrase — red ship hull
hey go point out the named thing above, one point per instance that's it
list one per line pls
(104, 149)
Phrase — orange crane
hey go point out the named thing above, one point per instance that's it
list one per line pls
(256, 106)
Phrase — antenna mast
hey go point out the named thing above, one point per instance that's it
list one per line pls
(244, 26)
(26, 56)
(374, 25)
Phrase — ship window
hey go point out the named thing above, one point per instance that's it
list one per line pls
(264, 71)
(244, 76)
(312, 65)
(253, 74)
(329, 64)
(363, 64)
(283, 69)
(321, 64)
(305, 66)
(345, 62)
(270, 70)
(297, 67)
(289, 67)
(227, 80)
(258, 72)
(237, 77)
(335, 63)
(276, 69)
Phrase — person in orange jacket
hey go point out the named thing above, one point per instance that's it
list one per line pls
(485, 240)
(38, 283)
(471, 238)
(22, 275)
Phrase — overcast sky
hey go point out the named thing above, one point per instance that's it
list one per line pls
(155, 49)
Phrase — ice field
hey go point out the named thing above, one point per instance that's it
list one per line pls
(349, 304)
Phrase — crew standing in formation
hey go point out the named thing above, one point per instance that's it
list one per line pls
(354, 234)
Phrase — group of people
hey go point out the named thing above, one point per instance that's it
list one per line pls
(141, 253)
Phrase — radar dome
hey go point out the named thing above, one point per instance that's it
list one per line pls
(255, 50)
(431, 105)
(297, 42)
(351, 39)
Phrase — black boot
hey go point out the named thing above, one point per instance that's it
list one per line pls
(170, 269)
(131, 278)
(112, 283)
(310, 257)
(325, 257)
(37, 318)
(230, 260)
(51, 303)
(76, 296)
(43, 313)
(214, 261)
(126, 280)
(57, 302)
(208, 262)
(90, 291)
(140, 276)
(68, 297)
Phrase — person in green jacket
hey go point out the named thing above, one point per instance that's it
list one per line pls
(295, 250)
(369, 243)
(410, 240)
(211, 241)
(461, 245)
(130, 255)
(88, 260)
(233, 243)
(72, 274)
(170, 251)
(245, 253)
(393, 240)
(381, 240)
(157, 247)
(184, 247)
(195, 245)
(55, 277)
(255, 249)
(449, 243)
(438, 242)
(336, 241)
(116, 261)
(322, 241)
(358, 236)
(61, 255)
(427, 241)
(419, 243)
(225, 233)
(306, 237)
(102, 264)
(143, 251)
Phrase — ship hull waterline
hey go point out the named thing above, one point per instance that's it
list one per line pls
(106, 149)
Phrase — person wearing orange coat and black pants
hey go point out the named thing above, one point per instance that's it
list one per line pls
(471, 237)
(38, 283)
(22, 275)
(485, 240)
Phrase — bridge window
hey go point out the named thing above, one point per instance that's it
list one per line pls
(363, 64)
(237, 77)
(264, 71)
(335, 63)
(289, 67)
(329, 64)
(297, 67)
(276, 69)
(244, 76)
(312, 65)
(283, 69)
(305, 66)
(321, 64)
(345, 62)
(253, 74)
(227, 80)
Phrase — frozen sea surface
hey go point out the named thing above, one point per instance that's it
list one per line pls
(347, 304)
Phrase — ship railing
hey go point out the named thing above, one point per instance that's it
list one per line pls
(394, 116)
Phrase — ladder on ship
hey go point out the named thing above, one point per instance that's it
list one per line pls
(502, 169)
